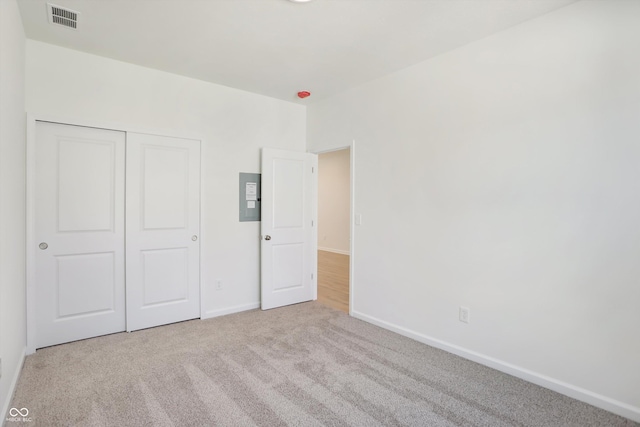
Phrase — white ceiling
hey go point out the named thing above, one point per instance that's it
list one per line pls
(276, 47)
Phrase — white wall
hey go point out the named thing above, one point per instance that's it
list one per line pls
(234, 123)
(504, 176)
(12, 201)
(334, 185)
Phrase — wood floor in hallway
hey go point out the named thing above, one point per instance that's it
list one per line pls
(333, 280)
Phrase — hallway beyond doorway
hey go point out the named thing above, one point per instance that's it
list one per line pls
(333, 280)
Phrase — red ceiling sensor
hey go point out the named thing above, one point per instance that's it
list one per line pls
(303, 94)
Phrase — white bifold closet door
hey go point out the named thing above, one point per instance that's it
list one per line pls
(83, 288)
(79, 230)
(163, 230)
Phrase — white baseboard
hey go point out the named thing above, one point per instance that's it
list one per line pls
(12, 387)
(335, 251)
(230, 310)
(578, 393)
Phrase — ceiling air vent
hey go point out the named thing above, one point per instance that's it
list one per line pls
(61, 16)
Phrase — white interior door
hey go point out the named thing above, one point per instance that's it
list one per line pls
(288, 248)
(163, 229)
(79, 227)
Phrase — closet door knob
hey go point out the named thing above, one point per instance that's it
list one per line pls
(267, 237)
(43, 246)
(194, 237)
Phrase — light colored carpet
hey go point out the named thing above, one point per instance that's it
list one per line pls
(302, 365)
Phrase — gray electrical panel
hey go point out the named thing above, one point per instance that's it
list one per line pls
(249, 197)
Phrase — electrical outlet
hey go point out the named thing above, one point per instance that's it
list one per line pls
(218, 285)
(464, 314)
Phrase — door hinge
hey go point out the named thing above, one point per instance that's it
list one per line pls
(312, 169)
(312, 223)
(311, 276)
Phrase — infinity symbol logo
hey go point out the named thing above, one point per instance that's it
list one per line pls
(14, 412)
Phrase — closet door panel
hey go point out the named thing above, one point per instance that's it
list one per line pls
(79, 230)
(163, 226)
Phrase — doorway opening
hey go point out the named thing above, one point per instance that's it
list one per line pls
(334, 228)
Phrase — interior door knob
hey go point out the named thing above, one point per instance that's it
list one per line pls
(194, 237)
(267, 237)
(43, 246)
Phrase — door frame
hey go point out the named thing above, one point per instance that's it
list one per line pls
(30, 241)
(352, 191)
